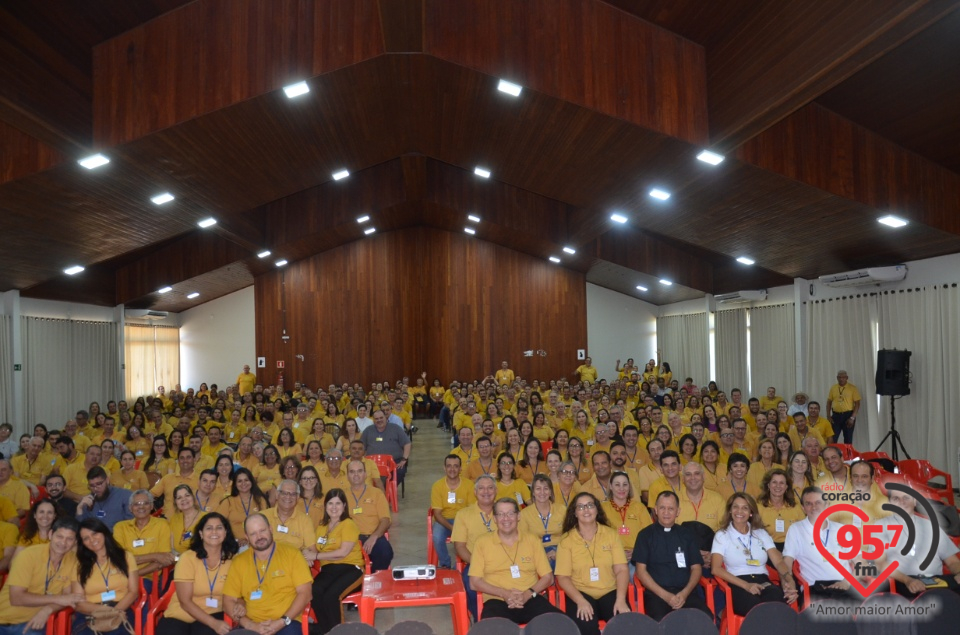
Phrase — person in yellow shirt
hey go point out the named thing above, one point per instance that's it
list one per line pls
(41, 584)
(511, 568)
(587, 371)
(370, 510)
(770, 400)
(801, 430)
(818, 423)
(213, 444)
(625, 511)
(145, 536)
(504, 375)
(448, 496)
(778, 506)
(698, 503)
(470, 523)
(465, 450)
(108, 461)
(168, 483)
(591, 566)
(246, 381)
(273, 581)
(128, 477)
(107, 575)
(200, 576)
(843, 405)
(290, 524)
(33, 466)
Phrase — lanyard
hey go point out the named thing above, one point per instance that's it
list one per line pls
(586, 545)
(748, 550)
(696, 507)
(566, 499)
(734, 485)
(306, 503)
(545, 521)
(516, 552)
(622, 511)
(485, 469)
(246, 508)
(203, 507)
(106, 577)
(486, 523)
(260, 578)
(46, 583)
(213, 582)
(356, 500)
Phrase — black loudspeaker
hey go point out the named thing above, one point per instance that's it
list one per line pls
(893, 372)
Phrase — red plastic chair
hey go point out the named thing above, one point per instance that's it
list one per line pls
(546, 445)
(432, 557)
(551, 592)
(802, 584)
(730, 622)
(157, 609)
(847, 450)
(866, 456)
(388, 468)
(922, 471)
(882, 477)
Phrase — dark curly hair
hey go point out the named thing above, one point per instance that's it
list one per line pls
(570, 520)
(230, 545)
(88, 559)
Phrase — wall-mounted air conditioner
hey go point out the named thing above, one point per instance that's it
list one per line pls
(740, 297)
(872, 275)
(145, 314)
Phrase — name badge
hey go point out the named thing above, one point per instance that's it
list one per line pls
(515, 572)
(624, 530)
(282, 529)
(681, 560)
(546, 538)
(590, 442)
(519, 498)
(753, 562)
(139, 452)
(212, 603)
(358, 510)
(322, 540)
(594, 574)
(187, 535)
(451, 497)
(233, 434)
(138, 543)
(256, 595)
(101, 513)
(108, 596)
(779, 525)
(296, 425)
(379, 438)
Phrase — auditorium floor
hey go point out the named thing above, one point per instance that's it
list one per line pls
(408, 533)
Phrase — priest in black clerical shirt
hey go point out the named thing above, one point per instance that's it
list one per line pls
(668, 561)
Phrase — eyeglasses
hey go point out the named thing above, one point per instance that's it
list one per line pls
(140, 504)
(568, 472)
(287, 493)
(585, 506)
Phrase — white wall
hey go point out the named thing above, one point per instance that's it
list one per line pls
(216, 339)
(619, 326)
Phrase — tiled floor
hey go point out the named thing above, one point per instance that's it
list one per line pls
(408, 533)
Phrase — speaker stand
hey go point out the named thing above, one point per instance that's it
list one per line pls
(893, 435)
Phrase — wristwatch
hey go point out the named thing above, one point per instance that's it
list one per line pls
(532, 592)
(286, 620)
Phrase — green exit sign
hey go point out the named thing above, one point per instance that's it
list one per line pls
(18, 367)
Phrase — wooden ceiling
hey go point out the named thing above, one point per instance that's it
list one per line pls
(830, 114)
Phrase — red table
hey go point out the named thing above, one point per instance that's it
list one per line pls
(381, 591)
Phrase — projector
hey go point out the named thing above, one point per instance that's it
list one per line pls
(415, 572)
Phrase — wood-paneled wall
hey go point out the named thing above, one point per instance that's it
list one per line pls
(419, 299)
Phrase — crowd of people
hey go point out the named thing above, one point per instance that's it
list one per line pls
(590, 485)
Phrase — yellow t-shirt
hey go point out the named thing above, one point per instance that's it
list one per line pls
(297, 531)
(709, 511)
(786, 515)
(115, 580)
(575, 558)
(30, 570)
(531, 522)
(449, 502)
(565, 500)
(131, 481)
(492, 561)
(587, 373)
(34, 471)
(75, 476)
(842, 398)
(170, 482)
(367, 507)
(516, 489)
(628, 524)
(192, 569)
(8, 511)
(182, 536)
(232, 508)
(16, 492)
(327, 541)
(154, 538)
(267, 477)
(662, 485)
(276, 579)
(466, 456)
(470, 524)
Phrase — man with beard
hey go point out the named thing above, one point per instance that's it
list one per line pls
(107, 504)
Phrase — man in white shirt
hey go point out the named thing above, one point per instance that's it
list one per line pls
(824, 580)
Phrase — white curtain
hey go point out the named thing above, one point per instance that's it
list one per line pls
(152, 356)
(6, 369)
(731, 343)
(67, 365)
(925, 321)
(841, 335)
(773, 353)
(684, 343)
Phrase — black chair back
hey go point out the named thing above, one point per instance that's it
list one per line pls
(551, 624)
(688, 622)
(770, 617)
(632, 624)
(410, 627)
(494, 626)
(945, 617)
(353, 628)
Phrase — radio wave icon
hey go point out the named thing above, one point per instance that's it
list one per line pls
(911, 530)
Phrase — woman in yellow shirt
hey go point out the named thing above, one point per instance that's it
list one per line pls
(36, 531)
(544, 517)
(320, 435)
(245, 498)
(349, 433)
(106, 576)
(200, 575)
(625, 512)
(337, 548)
(107, 460)
(287, 444)
(128, 477)
(268, 472)
(509, 486)
(778, 506)
(183, 521)
(333, 415)
(541, 431)
(137, 443)
(560, 441)
(311, 493)
(579, 459)
(159, 461)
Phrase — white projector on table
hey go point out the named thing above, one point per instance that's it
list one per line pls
(415, 572)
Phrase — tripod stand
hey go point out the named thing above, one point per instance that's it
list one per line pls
(893, 435)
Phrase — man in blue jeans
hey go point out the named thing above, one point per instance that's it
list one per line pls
(448, 496)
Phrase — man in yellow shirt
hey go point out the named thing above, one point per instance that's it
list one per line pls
(670, 481)
(770, 400)
(246, 381)
(800, 430)
(13, 489)
(587, 371)
(472, 522)
(30, 594)
(448, 496)
(818, 423)
(34, 466)
(333, 476)
(75, 476)
(505, 376)
(289, 523)
(145, 536)
(512, 583)
(169, 482)
(273, 580)
(369, 509)
(698, 503)
(466, 451)
(843, 405)
(80, 442)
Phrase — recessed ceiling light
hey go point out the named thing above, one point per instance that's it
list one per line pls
(369, 230)
(193, 295)
(93, 161)
(743, 260)
(160, 199)
(665, 282)
(554, 259)
(892, 221)
(641, 288)
(295, 90)
(74, 270)
(363, 219)
(482, 172)
(509, 87)
(570, 250)
(473, 219)
(165, 290)
(710, 157)
(342, 174)
(618, 218)
(659, 194)
(470, 230)
(264, 253)
(280, 263)
(207, 222)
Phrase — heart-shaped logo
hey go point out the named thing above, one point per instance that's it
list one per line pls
(829, 557)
